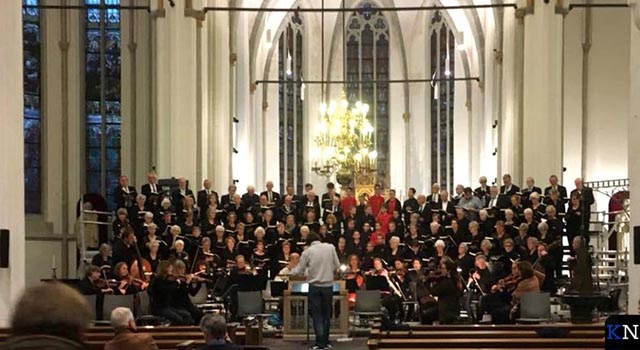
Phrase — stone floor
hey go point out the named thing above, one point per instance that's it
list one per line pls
(359, 343)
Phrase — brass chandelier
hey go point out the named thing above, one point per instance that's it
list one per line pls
(344, 142)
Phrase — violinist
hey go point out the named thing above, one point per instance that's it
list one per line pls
(499, 299)
(103, 258)
(188, 285)
(91, 284)
(127, 284)
(162, 291)
(446, 287)
(528, 284)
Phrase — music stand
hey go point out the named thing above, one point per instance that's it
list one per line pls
(377, 283)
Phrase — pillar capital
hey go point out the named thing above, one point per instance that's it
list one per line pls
(527, 7)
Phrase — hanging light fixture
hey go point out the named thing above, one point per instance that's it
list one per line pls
(344, 141)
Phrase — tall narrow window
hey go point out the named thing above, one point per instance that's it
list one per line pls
(291, 106)
(102, 97)
(367, 74)
(442, 43)
(32, 110)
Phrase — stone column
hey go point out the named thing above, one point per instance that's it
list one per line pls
(634, 153)
(219, 100)
(542, 93)
(11, 154)
(175, 87)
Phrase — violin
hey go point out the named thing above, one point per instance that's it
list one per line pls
(507, 284)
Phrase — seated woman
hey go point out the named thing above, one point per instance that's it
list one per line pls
(162, 291)
(525, 282)
(126, 283)
(447, 287)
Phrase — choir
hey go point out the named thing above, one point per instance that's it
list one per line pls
(440, 251)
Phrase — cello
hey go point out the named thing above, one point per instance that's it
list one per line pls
(140, 275)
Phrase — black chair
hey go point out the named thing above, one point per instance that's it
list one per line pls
(93, 304)
(534, 308)
(368, 304)
(114, 301)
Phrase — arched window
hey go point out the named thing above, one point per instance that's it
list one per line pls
(442, 44)
(291, 109)
(32, 110)
(102, 97)
(367, 72)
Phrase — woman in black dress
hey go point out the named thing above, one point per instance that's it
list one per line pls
(162, 291)
(448, 288)
(574, 217)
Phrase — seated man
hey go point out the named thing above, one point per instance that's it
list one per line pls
(214, 328)
(49, 316)
(126, 337)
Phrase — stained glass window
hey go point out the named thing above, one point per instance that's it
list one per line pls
(368, 74)
(102, 97)
(32, 110)
(442, 44)
(290, 105)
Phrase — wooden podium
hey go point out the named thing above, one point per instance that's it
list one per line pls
(296, 316)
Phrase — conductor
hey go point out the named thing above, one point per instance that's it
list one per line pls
(320, 261)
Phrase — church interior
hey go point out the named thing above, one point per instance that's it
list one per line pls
(468, 164)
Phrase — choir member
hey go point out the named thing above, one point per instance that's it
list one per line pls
(356, 245)
(348, 202)
(287, 208)
(228, 198)
(180, 193)
(554, 186)
(529, 219)
(539, 209)
(459, 193)
(229, 253)
(153, 256)
(121, 223)
(204, 193)
(310, 204)
(424, 210)
(410, 204)
(124, 195)
(464, 261)
(394, 251)
(103, 259)
(574, 217)
(509, 254)
(273, 198)
(377, 200)
(470, 203)
(482, 191)
(508, 188)
(327, 197)
(434, 196)
(521, 239)
(529, 190)
(444, 208)
(179, 252)
(287, 271)
(152, 190)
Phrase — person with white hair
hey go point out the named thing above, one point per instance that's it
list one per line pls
(180, 193)
(251, 198)
(440, 247)
(126, 337)
(179, 252)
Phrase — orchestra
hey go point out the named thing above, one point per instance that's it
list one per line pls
(441, 251)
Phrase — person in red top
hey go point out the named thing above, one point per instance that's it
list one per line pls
(348, 202)
(377, 200)
(393, 204)
(383, 219)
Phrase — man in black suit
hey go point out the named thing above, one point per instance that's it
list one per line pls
(586, 199)
(309, 203)
(203, 196)
(553, 182)
(410, 205)
(124, 194)
(180, 193)
(250, 199)
(496, 201)
(424, 210)
(508, 187)
(434, 197)
(272, 197)
(123, 248)
(327, 197)
(527, 191)
(444, 208)
(151, 190)
(482, 191)
(228, 198)
(214, 328)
